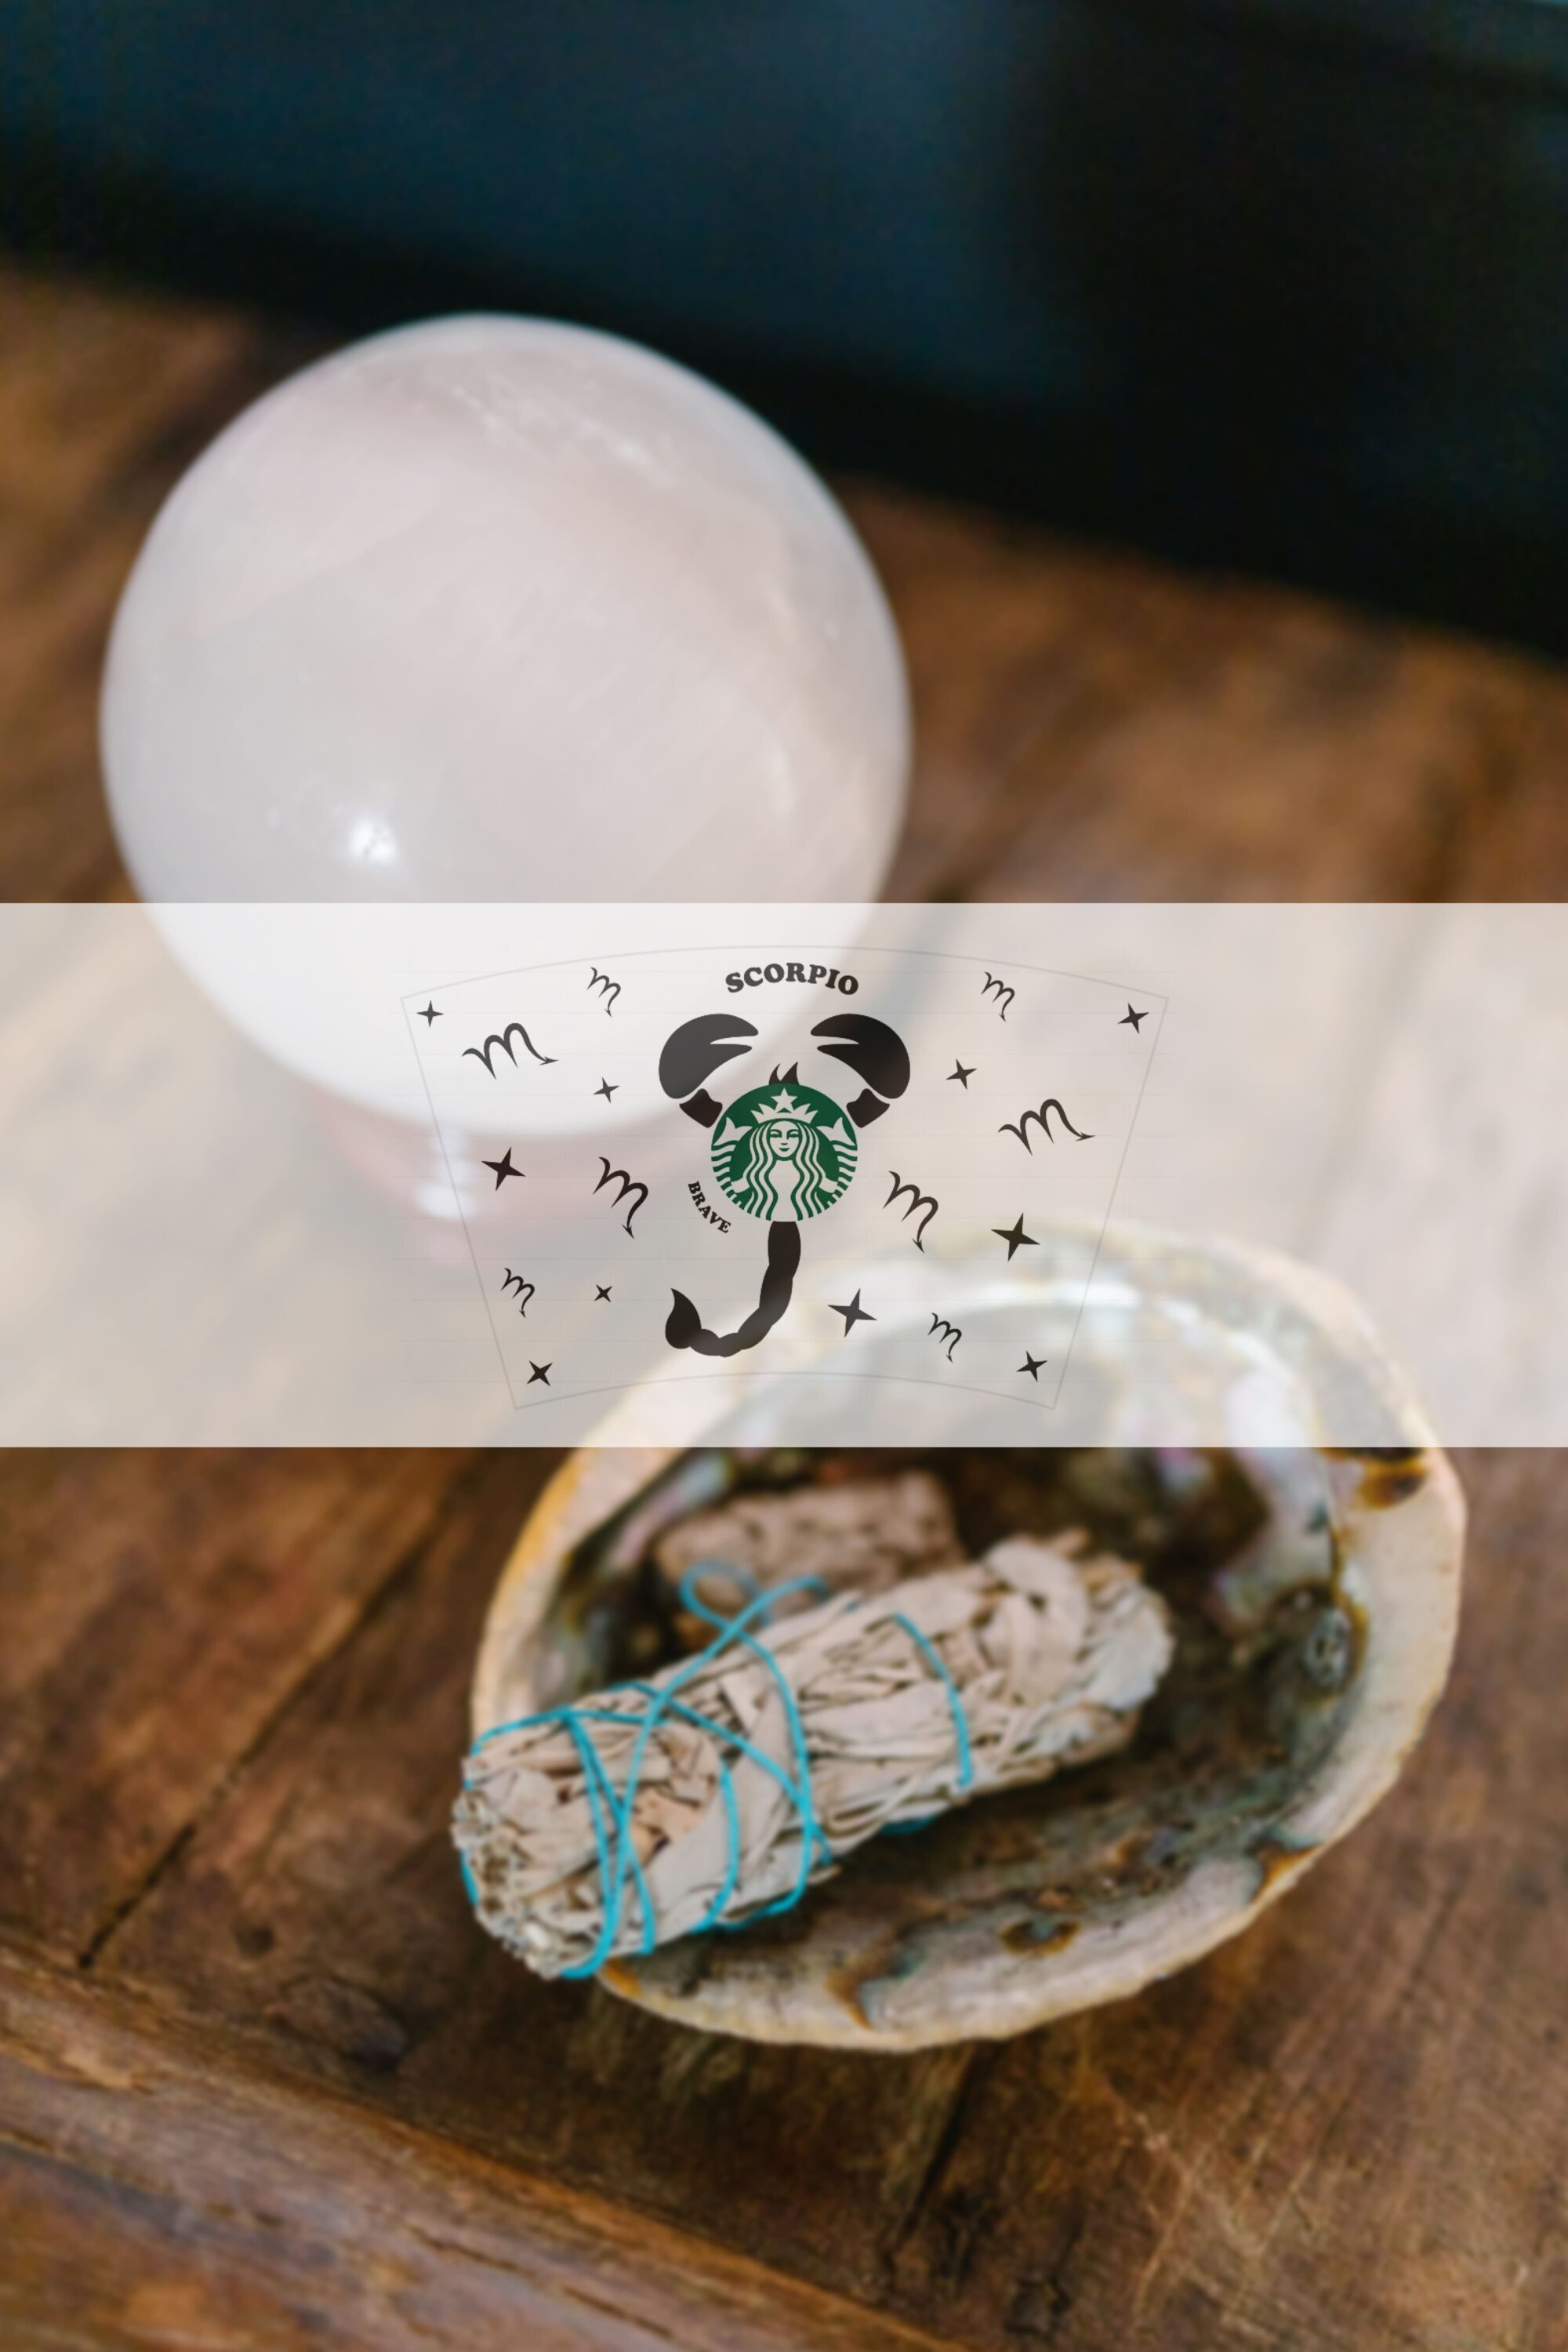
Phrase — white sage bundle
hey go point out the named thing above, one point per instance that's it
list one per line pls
(721, 1788)
(865, 1532)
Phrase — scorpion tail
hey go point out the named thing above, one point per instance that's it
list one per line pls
(684, 1327)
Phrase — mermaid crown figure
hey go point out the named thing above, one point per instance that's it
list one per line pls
(778, 1161)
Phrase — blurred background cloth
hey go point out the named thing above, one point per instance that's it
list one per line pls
(1268, 284)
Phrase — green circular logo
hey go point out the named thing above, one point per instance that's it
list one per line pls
(783, 1151)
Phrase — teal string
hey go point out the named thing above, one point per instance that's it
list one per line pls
(933, 1657)
(616, 1854)
(934, 1660)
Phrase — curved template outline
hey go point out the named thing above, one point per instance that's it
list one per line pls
(755, 946)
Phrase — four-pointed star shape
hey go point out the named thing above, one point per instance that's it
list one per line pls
(853, 1313)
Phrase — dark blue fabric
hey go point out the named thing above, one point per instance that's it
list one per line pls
(1275, 282)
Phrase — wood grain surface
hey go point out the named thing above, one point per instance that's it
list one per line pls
(263, 2082)
(162, 2187)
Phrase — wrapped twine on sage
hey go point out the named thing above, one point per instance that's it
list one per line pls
(719, 1789)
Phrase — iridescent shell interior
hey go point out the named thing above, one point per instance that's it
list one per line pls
(1311, 1593)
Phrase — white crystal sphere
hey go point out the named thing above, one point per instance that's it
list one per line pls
(494, 608)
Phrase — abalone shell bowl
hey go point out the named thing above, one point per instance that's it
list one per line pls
(1314, 1593)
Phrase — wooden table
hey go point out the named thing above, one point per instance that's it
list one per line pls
(262, 2080)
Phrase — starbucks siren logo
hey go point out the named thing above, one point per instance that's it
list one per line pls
(783, 1151)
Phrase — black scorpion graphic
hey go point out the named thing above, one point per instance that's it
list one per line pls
(699, 1046)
